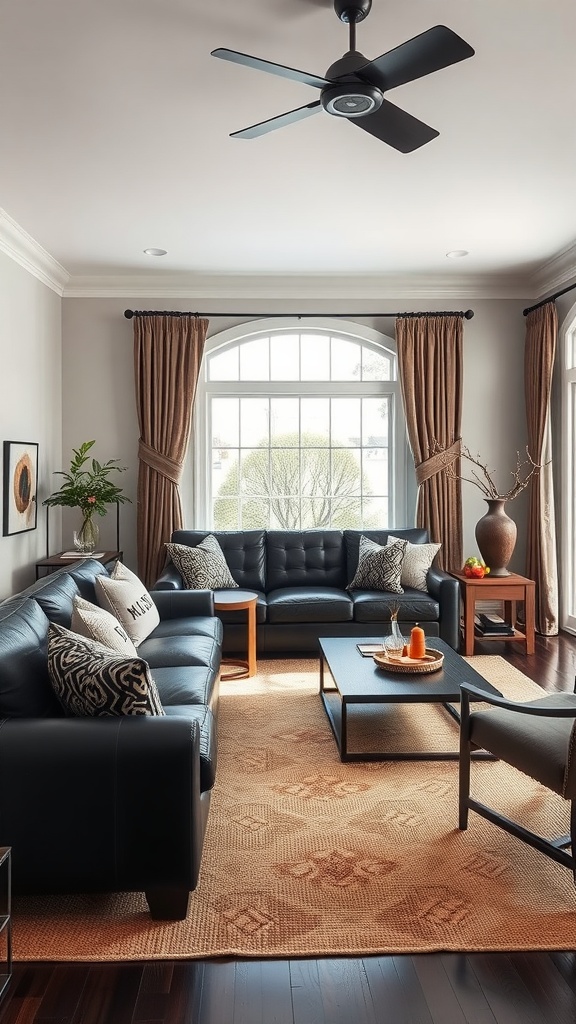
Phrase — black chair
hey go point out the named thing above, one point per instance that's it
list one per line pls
(539, 739)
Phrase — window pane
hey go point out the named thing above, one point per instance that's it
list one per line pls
(255, 360)
(375, 470)
(255, 514)
(226, 514)
(347, 513)
(374, 422)
(285, 471)
(285, 514)
(224, 471)
(285, 357)
(346, 428)
(255, 471)
(284, 422)
(346, 359)
(315, 356)
(224, 365)
(316, 471)
(346, 471)
(225, 422)
(374, 365)
(375, 514)
(315, 421)
(254, 413)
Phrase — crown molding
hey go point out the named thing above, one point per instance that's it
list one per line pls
(557, 272)
(301, 288)
(21, 247)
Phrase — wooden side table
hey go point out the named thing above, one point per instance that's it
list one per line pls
(509, 590)
(236, 601)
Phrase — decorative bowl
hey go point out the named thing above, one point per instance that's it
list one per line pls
(431, 662)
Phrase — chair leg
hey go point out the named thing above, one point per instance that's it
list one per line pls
(464, 763)
(167, 904)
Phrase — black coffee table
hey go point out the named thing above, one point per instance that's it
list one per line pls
(348, 679)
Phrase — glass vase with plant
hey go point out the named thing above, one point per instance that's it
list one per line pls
(87, 486)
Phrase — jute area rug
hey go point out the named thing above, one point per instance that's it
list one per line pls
(306, 856)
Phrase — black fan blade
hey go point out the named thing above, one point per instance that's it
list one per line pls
(270, 67)
(430, 51)
(396, 127)
(278, 122)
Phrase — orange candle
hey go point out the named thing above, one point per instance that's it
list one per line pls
(417, 642)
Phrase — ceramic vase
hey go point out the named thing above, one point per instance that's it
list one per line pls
(86, 538)
(496, 537)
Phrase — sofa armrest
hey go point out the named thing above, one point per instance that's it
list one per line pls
(169, 578)
(101, 804)
(177, 604)
(446, 590)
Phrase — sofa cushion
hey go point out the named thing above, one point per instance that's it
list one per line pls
(203, 566)
(244, 551)
(25, 689)
(305, 558)
(95, 623)
(379, 568)
(126, 597)
(90, 679)
(186, 684)
(168, 651)
(417, 560)
(55, 594)
(309, 604)
(376, 605)
(188, 625)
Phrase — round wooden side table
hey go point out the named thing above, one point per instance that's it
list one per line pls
(237, 601)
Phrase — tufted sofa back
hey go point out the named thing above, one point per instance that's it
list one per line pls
(297, 558)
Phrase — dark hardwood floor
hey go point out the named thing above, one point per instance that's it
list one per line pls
(480, 988)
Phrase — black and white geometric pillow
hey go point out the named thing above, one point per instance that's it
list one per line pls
(203, 567)
(379, 568)
(90, 679)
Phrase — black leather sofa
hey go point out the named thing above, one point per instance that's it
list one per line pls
(301, 578)
(108, 804)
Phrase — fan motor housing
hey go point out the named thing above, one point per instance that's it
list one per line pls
(351, 99)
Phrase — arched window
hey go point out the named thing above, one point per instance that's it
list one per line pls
(568, 541)
(299, 425)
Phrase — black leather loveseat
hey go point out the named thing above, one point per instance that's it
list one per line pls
(108, 803)
(302, 580)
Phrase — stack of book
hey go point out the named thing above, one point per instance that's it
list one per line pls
(490, 624)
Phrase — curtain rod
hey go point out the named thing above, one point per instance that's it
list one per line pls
(550, 298)
(129, 313)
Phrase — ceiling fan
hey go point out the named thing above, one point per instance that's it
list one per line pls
(354, 87)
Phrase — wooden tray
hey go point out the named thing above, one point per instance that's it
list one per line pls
(431, 662)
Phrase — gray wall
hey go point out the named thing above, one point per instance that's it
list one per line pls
(31, 401)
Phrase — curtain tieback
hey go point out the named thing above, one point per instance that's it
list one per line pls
(162, 464)
(436, 462)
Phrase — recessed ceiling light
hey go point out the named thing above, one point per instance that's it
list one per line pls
(155, 252)
(456, 254)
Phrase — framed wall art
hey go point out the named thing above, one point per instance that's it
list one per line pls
(20, 487)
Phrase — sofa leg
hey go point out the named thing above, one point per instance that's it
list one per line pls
(167, 904)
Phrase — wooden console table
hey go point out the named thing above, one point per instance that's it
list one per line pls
(508, 589)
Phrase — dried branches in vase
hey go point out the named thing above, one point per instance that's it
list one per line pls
(495, 532)
(521, 475)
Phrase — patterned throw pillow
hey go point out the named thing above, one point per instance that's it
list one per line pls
(202, 567)
(96, 623)
(379, 568)
(126, 598)
(90, 679)
(417, 561)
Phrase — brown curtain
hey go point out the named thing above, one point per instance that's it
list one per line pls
(167, 356)
(541, 559)
(430, 365)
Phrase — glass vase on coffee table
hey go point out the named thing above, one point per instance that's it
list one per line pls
(394, 642)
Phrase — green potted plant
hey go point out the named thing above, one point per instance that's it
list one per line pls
(89, 488)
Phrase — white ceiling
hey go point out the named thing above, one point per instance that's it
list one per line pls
(115, 122)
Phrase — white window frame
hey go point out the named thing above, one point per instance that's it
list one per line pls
(568, 476)
(195, 486)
